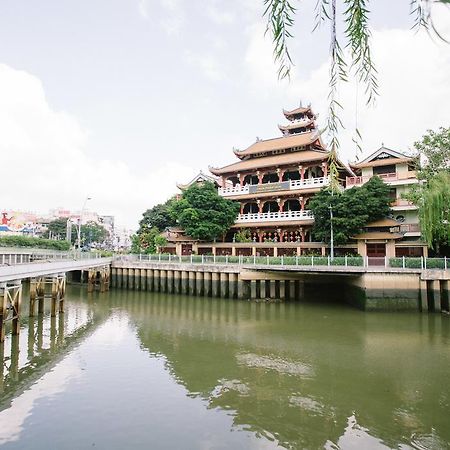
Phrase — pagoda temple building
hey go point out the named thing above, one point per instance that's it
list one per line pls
(275, 179)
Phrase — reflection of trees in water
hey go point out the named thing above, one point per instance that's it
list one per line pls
(45, 341)
(299, 373)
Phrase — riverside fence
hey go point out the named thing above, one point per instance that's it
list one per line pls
(301, 261)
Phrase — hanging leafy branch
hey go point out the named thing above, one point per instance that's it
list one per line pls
(280, 15)
(280, 20)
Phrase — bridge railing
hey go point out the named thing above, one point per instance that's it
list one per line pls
(312, 261)
(12, 258)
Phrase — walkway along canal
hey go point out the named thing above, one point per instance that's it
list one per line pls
(369, 288)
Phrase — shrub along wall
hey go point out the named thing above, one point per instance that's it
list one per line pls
(33, 242)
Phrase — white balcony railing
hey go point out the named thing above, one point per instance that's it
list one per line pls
(386, 177)
(273, 187)
(279, 216)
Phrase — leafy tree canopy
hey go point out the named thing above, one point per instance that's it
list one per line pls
(90, 233)
(158, 217)
(435, 147)
(147, 240)
(203, 213)
(434, 211)
(352, 210)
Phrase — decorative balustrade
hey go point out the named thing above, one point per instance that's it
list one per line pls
(273, 187)
(279, 216)
(400, 202)
(357, 181)
(410, 228)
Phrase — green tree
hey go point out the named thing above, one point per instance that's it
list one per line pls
(435, 147)
(57, 227)
(147, 240)
(91, 233)
(434, 211)
(352, 210)
(158, 217)
(203, 213)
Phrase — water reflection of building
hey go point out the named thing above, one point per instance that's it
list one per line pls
(279, 377)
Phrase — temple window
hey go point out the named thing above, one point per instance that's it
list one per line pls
(292, 205)
(291, 175)
(250, 179)
(270, 178)
(384, 169)
(250, 208)
(271, 206)
(234, 180)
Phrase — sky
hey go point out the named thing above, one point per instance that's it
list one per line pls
(119, 100)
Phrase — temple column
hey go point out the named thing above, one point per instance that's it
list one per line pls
(260, 205)
(241, 179)
(302, 203)
(301, 171)
(280, 234)
(260, 176)
(280, 204)
(325, 169)
(242, 208)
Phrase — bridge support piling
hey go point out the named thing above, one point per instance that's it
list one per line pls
(215, 289)
(10, 301)
(282, 290)
(224, 286)
(143, 279)
(262, 289)
(207, 284)
(199, 280)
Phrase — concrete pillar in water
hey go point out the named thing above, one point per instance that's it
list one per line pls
(224, 287)
(119, 277)
(125, 278)
(436, 288)
(282, 289)
(240, 288)
(143, 279)
(300, 290)
(33, 294)
(215, 284)
(184, 282)
(156, 281)
(232, 284)
(191, 283)
(170, 281)
(137, 279)
(445, 296)
(207, 284)
(253, 290)
(199, 283)
(131, 278)
(163, 280)
(177, 281)
(273, 288)
(423, 296)
(113, 277)
(262, 289)
(150, 286)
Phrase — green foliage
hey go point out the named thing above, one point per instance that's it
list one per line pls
(90, 233)
(243, 235)
(25, 241)
(57, 227)
(352, 210)
(435, 146)
(158, 217)
(203, 213)
(434, 210)
(146, 241)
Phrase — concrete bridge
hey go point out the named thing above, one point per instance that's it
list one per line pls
(47, 281)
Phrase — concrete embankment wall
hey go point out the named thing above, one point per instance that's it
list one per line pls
(388, 291)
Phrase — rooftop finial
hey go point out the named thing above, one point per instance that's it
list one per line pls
(301, 104)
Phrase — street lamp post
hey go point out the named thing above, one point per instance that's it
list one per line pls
(79, 223)
(331, 233)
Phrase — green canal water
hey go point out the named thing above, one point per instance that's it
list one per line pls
(138, 370)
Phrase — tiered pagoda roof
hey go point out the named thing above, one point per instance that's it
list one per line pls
(301, 142)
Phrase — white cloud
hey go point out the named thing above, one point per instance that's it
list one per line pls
(208, 65)
(143, 9)
(219, 15)
(44, 162)
(414, 89)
